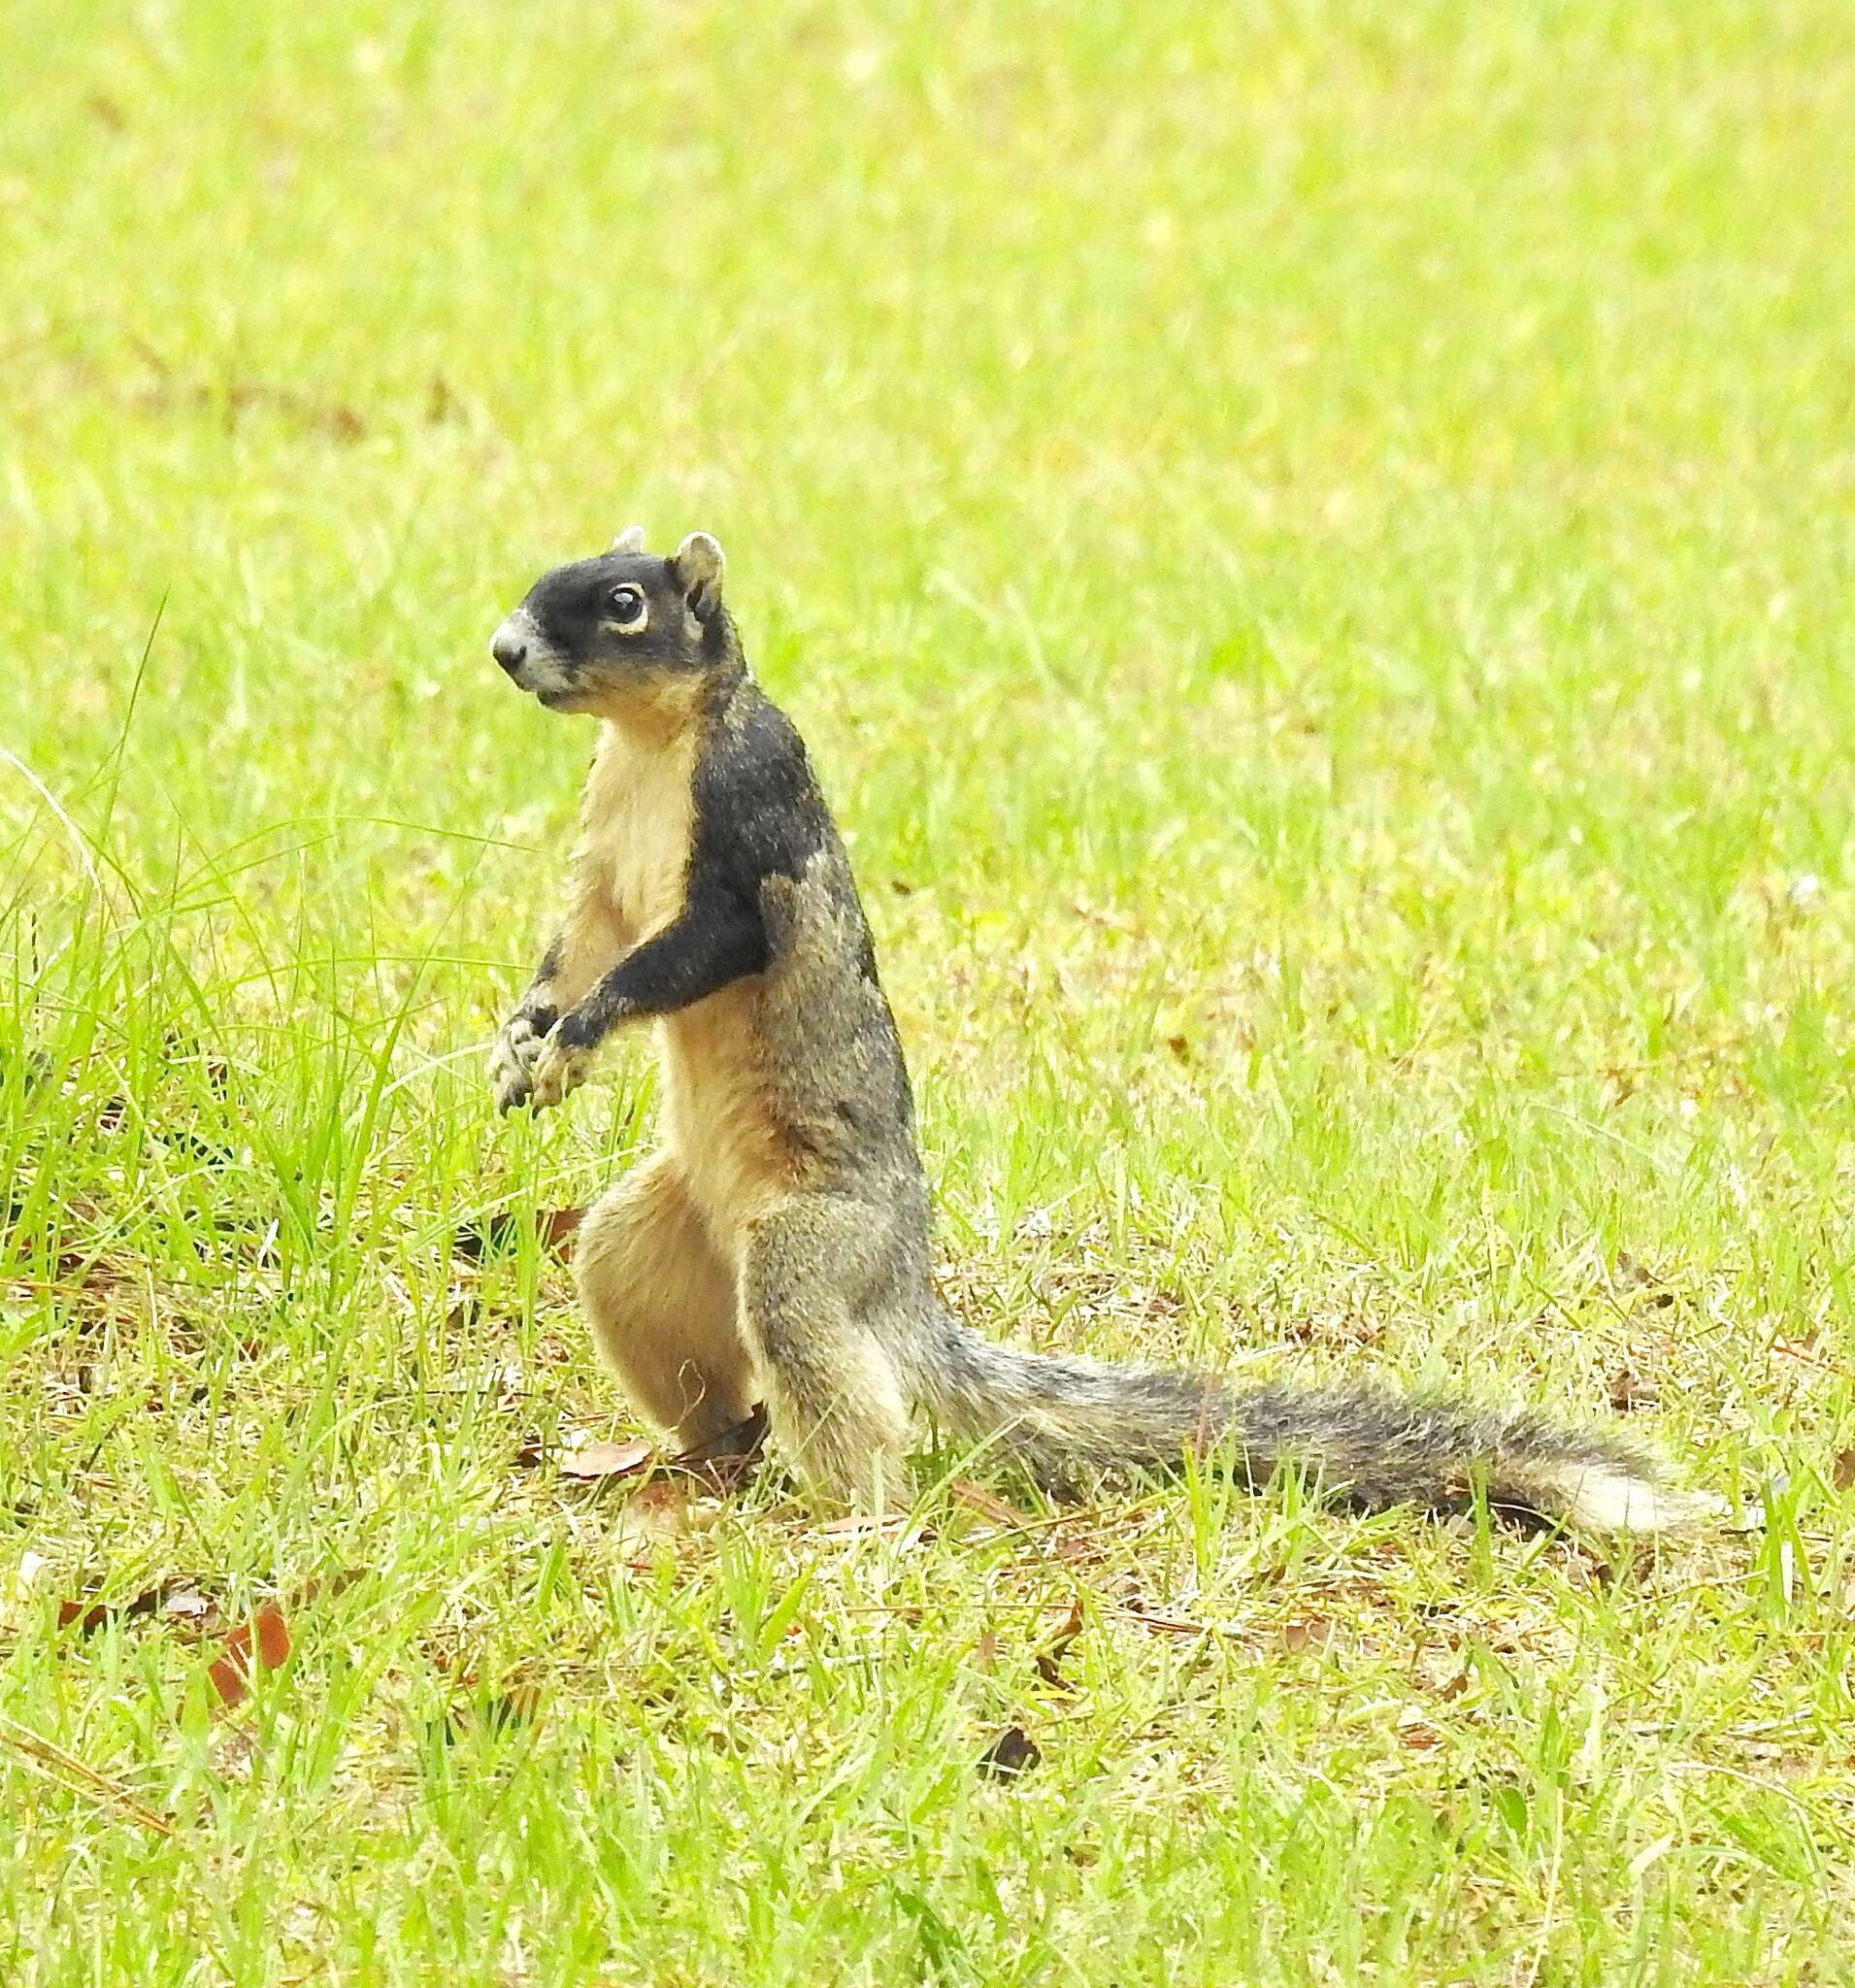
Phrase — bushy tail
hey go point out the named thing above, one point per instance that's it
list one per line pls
(1066, 1420)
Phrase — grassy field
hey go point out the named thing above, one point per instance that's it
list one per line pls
(1314, 545)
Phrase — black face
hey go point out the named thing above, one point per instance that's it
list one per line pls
(589, 632)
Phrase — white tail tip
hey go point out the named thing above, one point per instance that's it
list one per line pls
(1606, 1497)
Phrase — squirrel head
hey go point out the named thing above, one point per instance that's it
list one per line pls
(624, 634)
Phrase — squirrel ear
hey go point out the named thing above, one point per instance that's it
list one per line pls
(630, 540)
(699, 567)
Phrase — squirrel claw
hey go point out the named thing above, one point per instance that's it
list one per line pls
(513, 1061)
(510, 1094)
(556, 1071)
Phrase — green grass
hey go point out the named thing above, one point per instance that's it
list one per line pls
(1312, 545)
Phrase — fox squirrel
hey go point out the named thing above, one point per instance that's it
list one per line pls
(775, 1246)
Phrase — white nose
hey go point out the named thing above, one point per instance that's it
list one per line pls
(510, 645)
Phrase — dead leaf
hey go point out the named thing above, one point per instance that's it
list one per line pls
(609, 1459)
(556, 1228)
(1014, 1752)
(498, 1233)
(273, 1636)
(494, 1236)
(90, 1616)
(1843, 1474)
(657, 1511)
(231, 1670)
(229, 1680)
(1416, 1732)
(1307, 1633)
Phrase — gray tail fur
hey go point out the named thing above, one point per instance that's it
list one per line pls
(1065, 1419)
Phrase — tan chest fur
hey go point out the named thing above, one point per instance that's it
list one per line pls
(719, 1114)
(718, 1118)
(635, 824)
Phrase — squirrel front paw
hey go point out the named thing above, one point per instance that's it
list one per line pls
(559, 1068)
(512, 1060)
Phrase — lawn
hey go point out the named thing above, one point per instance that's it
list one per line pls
(1314, 545)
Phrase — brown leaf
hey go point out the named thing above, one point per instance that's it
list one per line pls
(1307, 1633)
(1014, 1752)
(90, 1616)
(556, 1228)
(1845, 1473)
(657, 1511)
(1416, 1732)
(498, 1233)
(231, 1670)
(609, 1459)
(273, 1636)
(491, 1236)
(229, 1680)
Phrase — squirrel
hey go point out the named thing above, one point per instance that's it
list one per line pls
(776, 1248)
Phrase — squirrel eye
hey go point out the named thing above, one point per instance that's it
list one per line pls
(628, 610)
